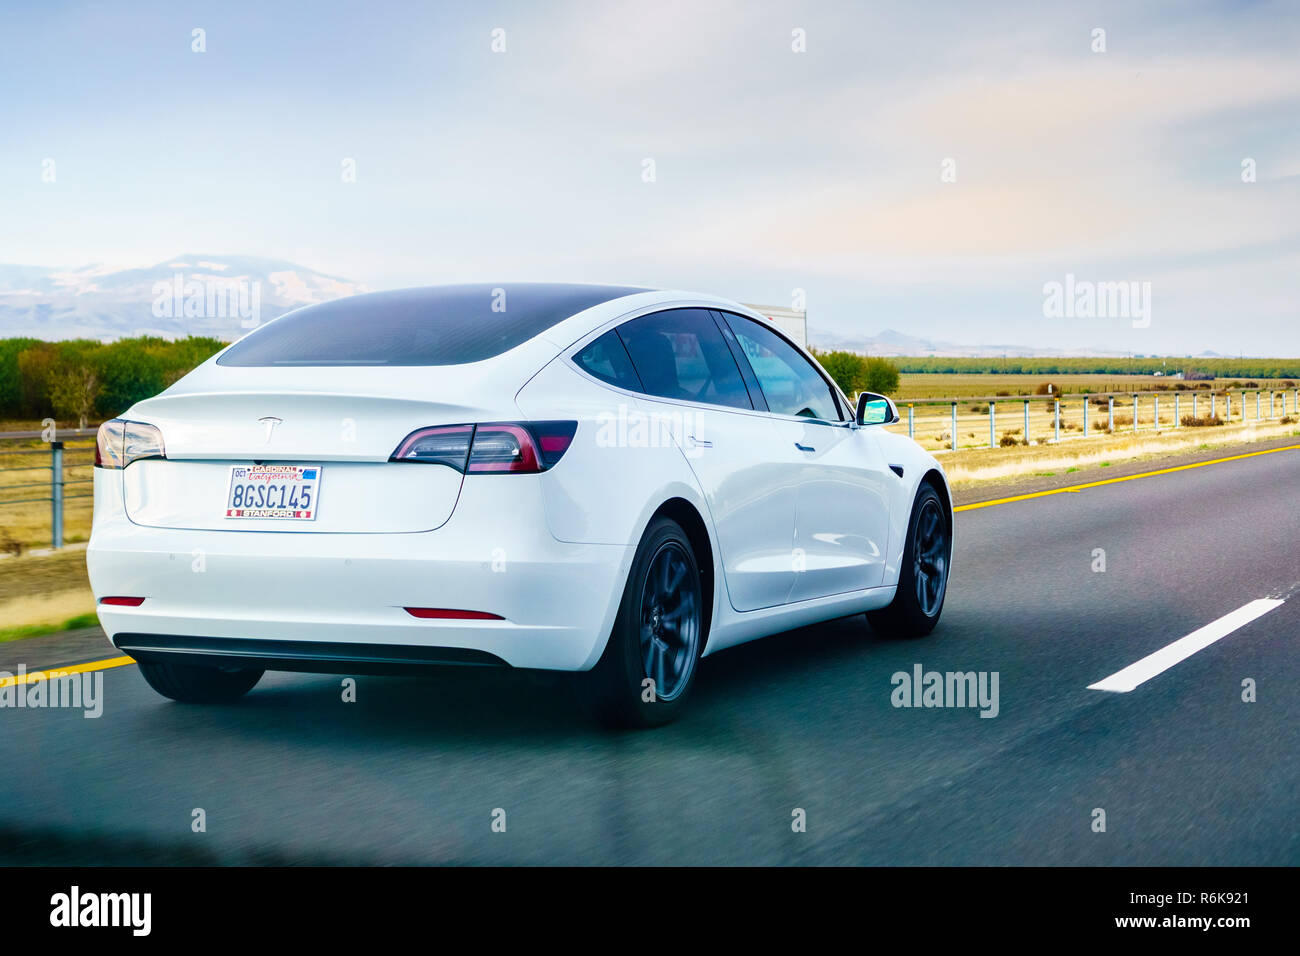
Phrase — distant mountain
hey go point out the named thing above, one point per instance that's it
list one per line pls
(891, 343)
(205, 294)
(190, 294)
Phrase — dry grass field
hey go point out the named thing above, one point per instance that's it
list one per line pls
(25, 511)
(980, 466)
(961, 385)
(44, 592)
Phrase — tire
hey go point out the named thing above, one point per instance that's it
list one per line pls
(923, 578)
(657, 637)
(194, 684)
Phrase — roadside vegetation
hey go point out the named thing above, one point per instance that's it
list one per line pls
(860, 373)
(43, 593)
(40, 630)
(84, 381)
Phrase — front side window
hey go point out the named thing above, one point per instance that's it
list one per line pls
(681, 354)
(790, 383)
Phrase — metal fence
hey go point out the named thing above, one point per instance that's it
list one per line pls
(956, 423)
(52, 472)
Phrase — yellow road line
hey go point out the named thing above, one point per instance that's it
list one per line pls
(1111, 481)
(55, 672)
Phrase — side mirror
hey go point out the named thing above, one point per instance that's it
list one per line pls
(876, 409)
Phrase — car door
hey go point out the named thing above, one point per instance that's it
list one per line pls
(842, 506)
(689, 375)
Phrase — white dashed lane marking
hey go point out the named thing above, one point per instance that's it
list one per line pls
(1154, 664)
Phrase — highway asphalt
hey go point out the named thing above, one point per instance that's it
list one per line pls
(418, 769)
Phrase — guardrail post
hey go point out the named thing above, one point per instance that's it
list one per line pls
(954, 426)
(993, 443)
(1156, 402)
(1176, 403)
(1085, 416)
(1135, 414)
(1110, 414)
(1026, 423)
(56, 492)
(1056, 419)
(1194, 396)
(1227, 407)
(911, 422)
(1256, 406)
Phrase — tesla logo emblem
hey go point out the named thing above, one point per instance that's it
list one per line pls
(270, 422)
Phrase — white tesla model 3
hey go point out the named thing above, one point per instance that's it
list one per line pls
(606, 480)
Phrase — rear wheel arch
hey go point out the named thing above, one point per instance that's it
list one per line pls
(697, 532)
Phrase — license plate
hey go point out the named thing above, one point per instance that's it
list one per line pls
(287, 492)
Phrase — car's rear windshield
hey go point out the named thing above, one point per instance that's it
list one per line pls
(443, 325)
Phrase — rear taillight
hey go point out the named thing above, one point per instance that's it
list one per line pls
(504, 448)
(445, 445)
(553, 439)
(121, 442)
(491, 448)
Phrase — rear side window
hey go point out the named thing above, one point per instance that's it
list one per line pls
(790, 383)
(606, 359)
(441, 325)
(680, 354)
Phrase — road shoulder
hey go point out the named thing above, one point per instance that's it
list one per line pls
(1034, 484)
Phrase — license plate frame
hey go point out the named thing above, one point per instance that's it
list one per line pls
(276, 492)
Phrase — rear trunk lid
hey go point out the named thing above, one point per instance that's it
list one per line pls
(220, 419)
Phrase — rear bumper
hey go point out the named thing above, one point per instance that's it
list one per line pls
(317, 657)
(330, 602)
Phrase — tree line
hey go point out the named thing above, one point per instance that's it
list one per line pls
(859, 373)
(85, 380)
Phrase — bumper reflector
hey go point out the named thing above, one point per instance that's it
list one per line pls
(452, 614)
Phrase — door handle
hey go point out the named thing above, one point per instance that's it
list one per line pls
(702, 443)
(804, 447)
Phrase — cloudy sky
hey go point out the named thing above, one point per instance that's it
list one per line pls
(774, 169)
